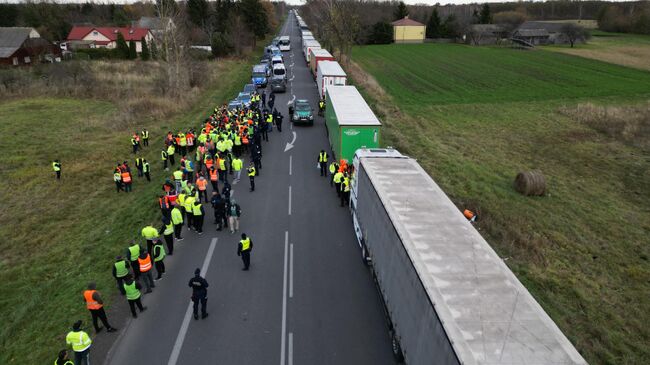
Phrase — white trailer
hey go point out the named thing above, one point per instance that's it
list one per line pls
(329, 73)
(307, 46)
(449, 298)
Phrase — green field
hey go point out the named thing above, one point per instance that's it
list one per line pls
(474, 117)
(59, 235)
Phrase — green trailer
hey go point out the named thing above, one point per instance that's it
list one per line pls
(350, 122)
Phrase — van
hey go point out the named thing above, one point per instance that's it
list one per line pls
(258, 77)
(279, 71)
(276, 60)
(285, 43)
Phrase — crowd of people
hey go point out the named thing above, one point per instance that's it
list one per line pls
(208, 157)
(339, 176)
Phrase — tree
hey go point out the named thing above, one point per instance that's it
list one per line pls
(200, 13)
(485, 17)
(122, 48)
(133, 53)
(145, 55)
(9, 15)
(450, 27)
(221, 45)
(574, 32)
(433, 25)
(509, 20)
(401, 11)
(382, 33)
(154, 51)
(255, 18)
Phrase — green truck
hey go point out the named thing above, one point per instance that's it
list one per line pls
(350, 122)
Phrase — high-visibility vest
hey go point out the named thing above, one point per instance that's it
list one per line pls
(245, 244)
(222, 164)
(337, 177)
(132, 292)
(120, 269)
(91, 303)
(322, 157)
(269, 118)
(145, 167)
(134, 141)
(79, 340)
(209, 162)
(189, 166)
(126, 177)
(190, 139)
(67, 362)
(145, 134)
(244, 139)
(56, 166)
(171, 150)
(251, 171)
(161, 252)
(188, 204)
(202, 184)
(345, 187)
(196, 208)
(169, 229)
(145, 264)
(177, 216)
(214, 175)
(183, 140)
(163, 155)
(468, 214)
(178, 175)
(237, 140)
(117, 176)
(237, 164)
(134, 251)
(333, 168)
(149, 232)
(164, 202)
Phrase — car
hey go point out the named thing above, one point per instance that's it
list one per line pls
(275, 60)
(278, 84)
(259, 75)
(244, 98)
(275, 51)
(279, 70)
(249, 88)
(300, 111)
(234, 105)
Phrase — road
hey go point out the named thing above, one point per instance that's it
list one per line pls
(308, 298)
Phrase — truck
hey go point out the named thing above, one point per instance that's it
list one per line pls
(448, 297)
(329, 73)
(350, 122)
(307, 46)
(317, 55)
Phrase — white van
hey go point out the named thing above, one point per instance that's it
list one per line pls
(285, 43)
(276, 60)
(279, 70)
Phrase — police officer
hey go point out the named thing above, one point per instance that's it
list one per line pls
(244, 249)
(321, 107)
(322, 162)
(251, 176)
(199, 293)
(277, 118)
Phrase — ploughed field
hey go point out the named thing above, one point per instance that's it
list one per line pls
(476, 116)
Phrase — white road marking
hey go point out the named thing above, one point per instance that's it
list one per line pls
(176, 351)
(290, 362)
(291, 270)
(284, 301)
(289, 199)
(290, 163)
(290, 144)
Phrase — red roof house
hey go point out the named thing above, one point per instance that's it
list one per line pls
(106, 37)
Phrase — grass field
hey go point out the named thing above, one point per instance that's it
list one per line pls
(474, 117)
(59, 235)
(632, 50)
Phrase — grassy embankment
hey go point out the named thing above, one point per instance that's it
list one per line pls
(632, 50)
(474, 117)
(58, 235)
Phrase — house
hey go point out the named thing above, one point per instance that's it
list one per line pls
(484, 34)
(534, 37)
(24, 46)
(408, 31)
(106, 37)
(156, 25)
(552, 29)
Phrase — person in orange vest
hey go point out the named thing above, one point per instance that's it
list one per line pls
(144, 261)
(95, 305)
(214, 177)
(165, 205)
(202, 185)
(471, 217)
(126, 180)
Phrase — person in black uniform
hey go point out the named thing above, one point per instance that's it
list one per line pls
(277, 119)
(244, 249)
(199, 293)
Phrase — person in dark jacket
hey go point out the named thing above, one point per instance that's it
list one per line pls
(219, 206)
(244, 249)
(199, 293)
(277, 119)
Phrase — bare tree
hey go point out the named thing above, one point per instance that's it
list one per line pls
(173, 46)
(574, 32)
(339, 24)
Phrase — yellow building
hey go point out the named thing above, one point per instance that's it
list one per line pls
(408, 31)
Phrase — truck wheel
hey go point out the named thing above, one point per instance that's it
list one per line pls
(397, 349)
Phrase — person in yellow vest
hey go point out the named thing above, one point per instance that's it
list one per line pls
(244, 249)
(132, 254)
(177, 220)
(198, 212)
(322, 162)
(145, 137)
(334, 167)
(165, 158)
(150, 234)
(146, 169)
(202, 185)
(221, 165)
(144, 260)
(237, 165)
(95, 305)
(338, 178)
(117, 178)
(80, 343)
(120, 271)
(171, 150)
(321, 107)
(132, 289)
(168, 233)
(345, 190)
(56, 166)
(158, 258)
(63, 359)
(251, 176)
(187, 204)
(178, 179)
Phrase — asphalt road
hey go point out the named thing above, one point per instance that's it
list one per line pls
(308, 298)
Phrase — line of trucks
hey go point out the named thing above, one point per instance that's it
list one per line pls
(448, 297)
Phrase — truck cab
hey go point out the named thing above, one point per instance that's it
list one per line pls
(259, 75)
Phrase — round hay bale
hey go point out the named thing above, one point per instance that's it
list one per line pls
(530, 183)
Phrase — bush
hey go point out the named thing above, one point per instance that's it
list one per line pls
(382, 33)
(221, 45)
(100, 53)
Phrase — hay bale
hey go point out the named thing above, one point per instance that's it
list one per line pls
(530, 183)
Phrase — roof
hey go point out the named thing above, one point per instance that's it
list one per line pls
(488, 315)
(152, 23)
(12, 38)
(321, 52)
(487, 28)
(350, 107)
(135, 34)
(531, 33)
(406, 22)
(550, 27)
(330, 68)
